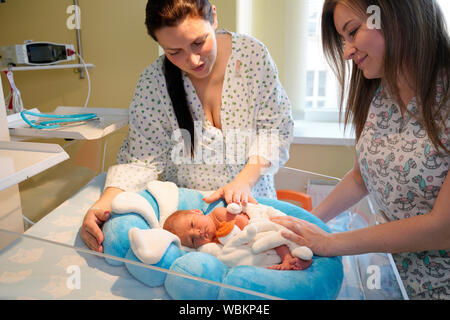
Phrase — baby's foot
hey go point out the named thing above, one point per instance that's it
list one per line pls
(299, 264)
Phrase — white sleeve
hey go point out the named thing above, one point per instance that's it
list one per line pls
(143, 155)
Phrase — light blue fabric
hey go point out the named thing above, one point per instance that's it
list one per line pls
(116, 229)
(200, 265)
(153, 278)
(322, 280)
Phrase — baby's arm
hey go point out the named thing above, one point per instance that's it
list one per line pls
(221, 214)
(241, 220)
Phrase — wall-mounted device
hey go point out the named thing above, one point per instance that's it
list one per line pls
(37, 53)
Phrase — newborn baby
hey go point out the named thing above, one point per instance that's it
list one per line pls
(196, 229)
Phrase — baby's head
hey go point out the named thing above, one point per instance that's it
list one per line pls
(192, 227)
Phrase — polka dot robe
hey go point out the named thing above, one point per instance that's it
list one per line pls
(256, 120)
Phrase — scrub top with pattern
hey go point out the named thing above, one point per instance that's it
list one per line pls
(255, 116)
(404, 174)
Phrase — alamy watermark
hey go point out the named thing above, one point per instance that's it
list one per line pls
(73, 281)
(74, 20)
(373, 281)
(374, 20)
(230, 147)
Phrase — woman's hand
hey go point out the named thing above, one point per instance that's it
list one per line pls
(240, 189)
(236, 191)
(91, 232)
(306, 234)
(94, 219)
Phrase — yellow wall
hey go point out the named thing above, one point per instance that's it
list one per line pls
(266, 26)
(115, 41)
(333, 161)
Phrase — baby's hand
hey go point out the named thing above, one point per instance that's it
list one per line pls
(234, 208)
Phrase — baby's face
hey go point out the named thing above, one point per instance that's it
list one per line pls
(195, 229)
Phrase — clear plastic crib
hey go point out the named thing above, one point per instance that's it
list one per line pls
(50, 260)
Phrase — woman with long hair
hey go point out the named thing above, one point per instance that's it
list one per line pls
(393, 57)
(209, 114)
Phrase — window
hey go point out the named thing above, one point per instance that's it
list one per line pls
(310, 83)
(316, 88)
(322, 88)
(321, 84)
(301, 61)
(445, 6)
(312, 23)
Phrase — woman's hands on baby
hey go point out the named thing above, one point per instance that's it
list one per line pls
(306, 234)
(94, 219)
(91, 232)
(240, 189)
(236, 191)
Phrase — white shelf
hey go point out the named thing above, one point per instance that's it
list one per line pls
(49, 67)
(111, 119)
(22, 160)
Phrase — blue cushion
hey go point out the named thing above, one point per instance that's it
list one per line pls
(116, 242)
(197, 264)
(321, 281)
(152, 278)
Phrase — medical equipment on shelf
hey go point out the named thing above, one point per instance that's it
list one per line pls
(88, 78)
(57, 120)
(37, 53)
(14, 99)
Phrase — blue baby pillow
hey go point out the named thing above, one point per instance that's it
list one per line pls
(321, 281)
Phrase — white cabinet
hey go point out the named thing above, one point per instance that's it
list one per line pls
(19, 161)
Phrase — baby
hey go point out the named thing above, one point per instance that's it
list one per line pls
(196, 229)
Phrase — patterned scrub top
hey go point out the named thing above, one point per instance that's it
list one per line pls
(256, 120)
(404, 173)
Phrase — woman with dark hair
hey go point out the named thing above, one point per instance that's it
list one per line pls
(398, 102)
(209, 114)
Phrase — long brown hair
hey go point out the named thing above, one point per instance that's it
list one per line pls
(416, 39)
(169, 13)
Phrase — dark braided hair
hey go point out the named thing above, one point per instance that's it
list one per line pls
(169, 13)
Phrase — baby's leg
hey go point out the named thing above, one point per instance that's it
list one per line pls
(289, 262)
(293, 263)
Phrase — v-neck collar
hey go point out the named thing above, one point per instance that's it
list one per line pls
(196, 106)
(401, 119)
